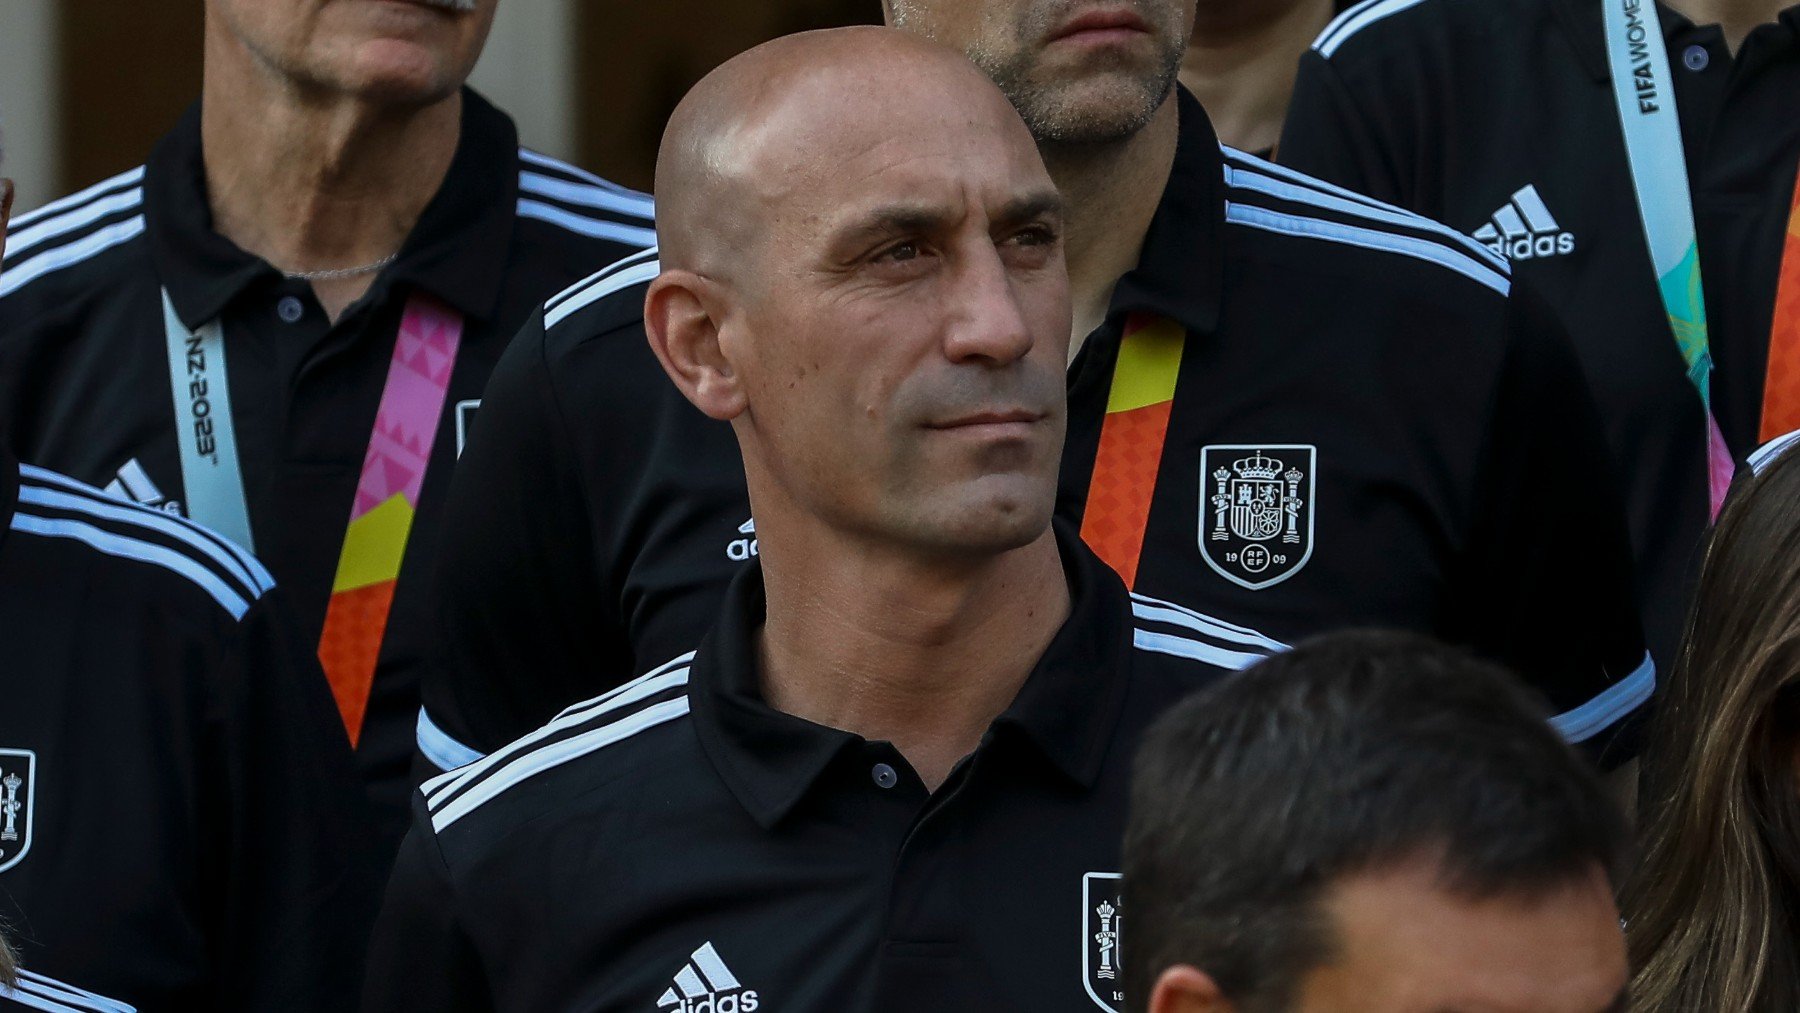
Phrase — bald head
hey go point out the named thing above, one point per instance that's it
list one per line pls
(772, 120)
(862, 271)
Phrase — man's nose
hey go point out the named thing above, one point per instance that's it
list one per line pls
(986, 322)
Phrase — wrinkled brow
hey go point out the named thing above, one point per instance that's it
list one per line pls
(904, 218)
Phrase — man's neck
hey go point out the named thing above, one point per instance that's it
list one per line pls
(1241, 62)
(313, 182)
(924, 655)
(1736, 18)
(1112, 192)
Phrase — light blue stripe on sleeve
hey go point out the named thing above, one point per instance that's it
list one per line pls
(440, 748)
(1618, 700)
(131, 548)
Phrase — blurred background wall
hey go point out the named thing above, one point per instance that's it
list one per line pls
(86, 86)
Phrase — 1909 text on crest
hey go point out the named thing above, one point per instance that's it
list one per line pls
(1257, 503)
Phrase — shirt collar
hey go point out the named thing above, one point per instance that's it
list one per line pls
(1583, 22)
(1181, 271)
(1067, 711)
(456, 251)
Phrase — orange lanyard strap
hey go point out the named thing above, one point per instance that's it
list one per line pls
(1781, 385)
(1131, 442)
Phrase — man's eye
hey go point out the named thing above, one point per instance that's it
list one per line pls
(900, 252)
(1037, 235)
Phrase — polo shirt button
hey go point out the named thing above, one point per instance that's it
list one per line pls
(1696, 57)
(885, 776)
(289, 309)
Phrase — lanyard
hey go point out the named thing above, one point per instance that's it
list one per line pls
(387, 490)
(1132, 435)
(1643, 88)
(210, 476)
(1781, 384)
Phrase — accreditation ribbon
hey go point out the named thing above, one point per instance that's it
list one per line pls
(387, 489)
(1644, 92)
(1781, 381)
(1132, 436)
(387, 496)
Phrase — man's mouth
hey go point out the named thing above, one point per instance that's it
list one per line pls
(1102, 25)
(997, 420)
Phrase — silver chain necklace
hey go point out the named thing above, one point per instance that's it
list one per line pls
(335, 273)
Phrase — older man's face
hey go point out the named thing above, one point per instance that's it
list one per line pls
(399, 51)
(906, 316)
(1079, 71)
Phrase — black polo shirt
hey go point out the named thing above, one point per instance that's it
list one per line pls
(84, 375)
(1452, 475)
(179, 829)
(1497, 117)
(679, 841)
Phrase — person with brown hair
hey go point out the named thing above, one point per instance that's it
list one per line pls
(1712, 907)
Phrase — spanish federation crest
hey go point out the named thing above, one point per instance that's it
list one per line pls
(1256, 511)
(18, 792)
(1102, 904)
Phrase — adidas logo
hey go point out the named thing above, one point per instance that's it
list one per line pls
(1524, 229)
(706, 985)
(133, 483)
(742, 550)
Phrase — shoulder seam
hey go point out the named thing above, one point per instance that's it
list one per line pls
(70, 222)
(1304, 227)
(1151, 609)
(230, 574)
(1268, 179)
(1201, 651)
(215, 546)
(606, 272)
(127, 547)
(1195, 636)
(635, 270)
(588, 195)
(47, 262)
(130, 177)
(1348, 24)
(440, 790)
(584, 225)
(61, 995)
(556, 754)
(576, 172)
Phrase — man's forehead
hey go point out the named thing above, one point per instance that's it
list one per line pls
(863, 165)
(923, 193)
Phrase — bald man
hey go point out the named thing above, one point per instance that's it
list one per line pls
(1287, 406)
(894, 772)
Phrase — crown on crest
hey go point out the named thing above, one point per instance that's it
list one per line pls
(1257, 465)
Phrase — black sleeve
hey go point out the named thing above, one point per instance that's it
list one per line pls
(302, 870)
(515, 589)
(419, 958)
(1327, 135)
(1548, 587)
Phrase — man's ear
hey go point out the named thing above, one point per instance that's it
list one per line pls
(682, 313)
(1185, 989)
